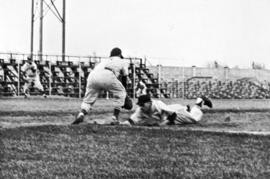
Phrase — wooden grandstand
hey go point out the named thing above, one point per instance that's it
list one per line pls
(69, 79)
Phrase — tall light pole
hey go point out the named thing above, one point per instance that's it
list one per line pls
(64, 31)
(41, 31)
(62, 19)
(32, 30)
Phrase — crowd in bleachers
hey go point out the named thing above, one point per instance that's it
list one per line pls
(238, 89)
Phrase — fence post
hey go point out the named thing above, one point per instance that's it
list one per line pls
(193, 70)
(226, 69)
(50, 77)
(18, 93)
(134, 81)
(80, 78)
(172, 87)
(183, 82)
(159, 78)
(176, 89)
(183, 85)
(107, 95)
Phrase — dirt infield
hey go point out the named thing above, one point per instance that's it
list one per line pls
(227, 115)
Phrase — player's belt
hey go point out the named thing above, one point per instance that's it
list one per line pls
(31, 76)
(107, 68)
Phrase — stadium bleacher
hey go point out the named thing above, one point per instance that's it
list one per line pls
(216, 89)
(69, 79)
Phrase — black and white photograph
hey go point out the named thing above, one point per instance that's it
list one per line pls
(135, 89)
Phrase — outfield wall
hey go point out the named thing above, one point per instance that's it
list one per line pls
(169, 73)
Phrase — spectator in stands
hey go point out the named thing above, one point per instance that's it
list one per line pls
(32, 79)
(1, 73)
(1, 80)
(141, 88)
(109, 76)
(155, 112)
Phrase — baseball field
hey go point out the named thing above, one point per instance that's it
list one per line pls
(37, 141)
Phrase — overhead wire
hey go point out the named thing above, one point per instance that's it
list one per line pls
(56, 10)
(46, 11)
(56, 15)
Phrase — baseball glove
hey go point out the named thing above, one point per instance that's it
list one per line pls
(171, 118)
(128, 103)
(207, 101)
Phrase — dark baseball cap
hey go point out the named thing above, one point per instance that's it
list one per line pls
(144, 99)
(116, 52)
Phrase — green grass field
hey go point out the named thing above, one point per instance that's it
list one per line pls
(37, 141)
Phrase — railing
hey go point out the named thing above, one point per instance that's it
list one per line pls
(182, 86)
(78, 66)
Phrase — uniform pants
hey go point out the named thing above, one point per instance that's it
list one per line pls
(101, 80)
(32, 81)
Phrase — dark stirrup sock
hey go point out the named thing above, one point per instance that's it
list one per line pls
(83, 111)
(116, 112)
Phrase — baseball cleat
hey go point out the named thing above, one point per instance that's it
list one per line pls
(115, 121)
(125, 123)
(26, 95)
(131, 121)
(79, 119)
(188, 108)
(207, 101)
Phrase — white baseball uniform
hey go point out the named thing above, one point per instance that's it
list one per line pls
(1, 73)
(32, 76)
(160, 111)
(141, 89)
(105, 77)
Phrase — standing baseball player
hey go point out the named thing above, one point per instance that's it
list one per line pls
(31, 72)
(155, 112)
(109, 76)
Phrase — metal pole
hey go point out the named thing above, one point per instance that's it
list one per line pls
(183, 86)
(107, 95)
(32, 29)
(64, 30)
(50, 77)
(134, 76)
(41, 31)
(80, 83)
(159, 79)
(18, 93)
